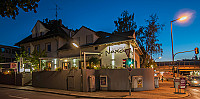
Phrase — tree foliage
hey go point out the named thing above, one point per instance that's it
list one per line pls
(147, 38)
(24, 55)
(33, 59)
(35, 55)
(10, 8)
(94, 61)
(125, 23)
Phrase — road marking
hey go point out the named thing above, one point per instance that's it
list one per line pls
(17, 97)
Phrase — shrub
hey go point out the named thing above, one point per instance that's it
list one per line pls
(58, 69)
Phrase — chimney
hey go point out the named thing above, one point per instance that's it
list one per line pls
(60, 22)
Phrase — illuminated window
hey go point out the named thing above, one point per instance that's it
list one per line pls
(65, 65)
(48, 64)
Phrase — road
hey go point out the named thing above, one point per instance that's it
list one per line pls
(21, 94)
(194, 92)
(6, 93)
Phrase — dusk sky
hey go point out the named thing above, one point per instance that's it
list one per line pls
(99, 15)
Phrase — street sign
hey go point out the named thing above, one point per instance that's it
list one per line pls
(13, 65)
(182, 83)
(177, 82)
(127, 51)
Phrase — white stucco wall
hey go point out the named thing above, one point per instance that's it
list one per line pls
(115, 56)
(82, 34)
(113, 59)
(38, 28)
(42, 43)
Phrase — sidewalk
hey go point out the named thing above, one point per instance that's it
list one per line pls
(164, 91)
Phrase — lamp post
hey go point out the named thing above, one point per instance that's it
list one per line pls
(181, 19)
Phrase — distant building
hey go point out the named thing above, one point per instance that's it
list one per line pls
(185, 67)
(7, 53)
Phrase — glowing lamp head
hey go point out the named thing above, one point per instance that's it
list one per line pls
(195, 81)
(129, 62)
(183, 18)
(75, 45)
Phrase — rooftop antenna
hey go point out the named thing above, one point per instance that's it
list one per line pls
(57, 8)
(57, 11)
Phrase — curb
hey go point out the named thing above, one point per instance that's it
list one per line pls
(77, 95)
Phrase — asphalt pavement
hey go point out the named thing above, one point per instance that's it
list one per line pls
(6, 93)
(165, 90)
(194, 92)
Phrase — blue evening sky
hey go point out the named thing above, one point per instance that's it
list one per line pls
(99, 15)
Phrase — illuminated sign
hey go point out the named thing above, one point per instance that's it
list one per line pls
(120, 50)
(116, 49)
(13, 65)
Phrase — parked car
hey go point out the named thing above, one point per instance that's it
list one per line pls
(194, 81)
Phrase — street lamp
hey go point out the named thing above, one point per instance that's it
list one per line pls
(158, 58)
(75, 45)
(180, 19)
(155, 60)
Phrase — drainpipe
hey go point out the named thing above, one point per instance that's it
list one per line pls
(134, 57)
(40, 66)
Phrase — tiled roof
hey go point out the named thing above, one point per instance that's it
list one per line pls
(55, 30)
(102, 34)
(126, 34)
(110, 39)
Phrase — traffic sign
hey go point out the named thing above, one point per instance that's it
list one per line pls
(182, 83)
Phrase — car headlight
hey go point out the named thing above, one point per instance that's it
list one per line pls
(195, 81)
